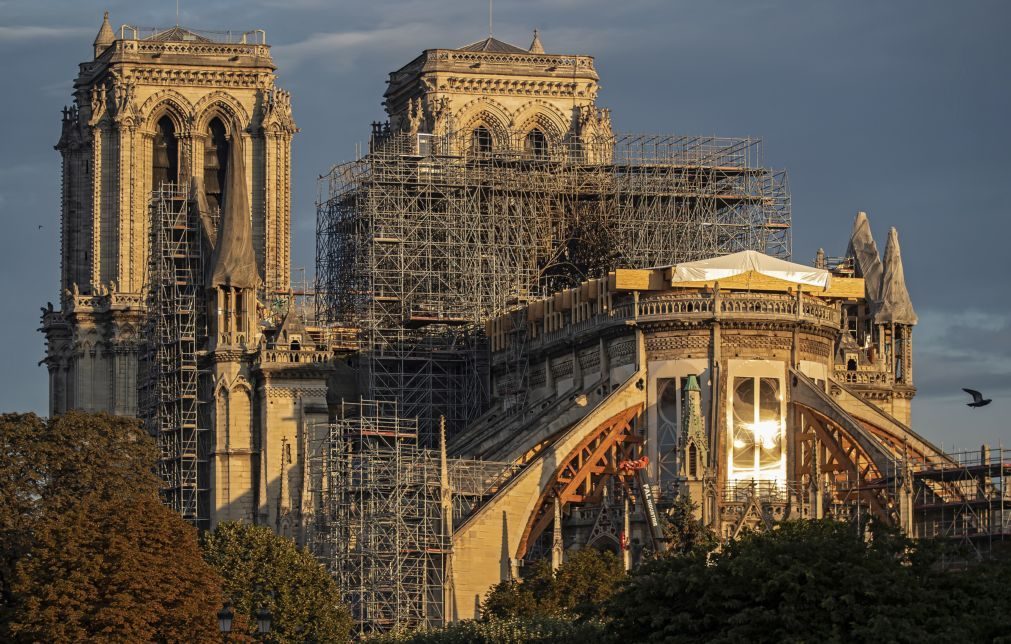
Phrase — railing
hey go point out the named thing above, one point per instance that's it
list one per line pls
(739, 305)
(863, 377)
(103, 301)
(698, 306)
(287, 356)
(763, 490)
(229, 37)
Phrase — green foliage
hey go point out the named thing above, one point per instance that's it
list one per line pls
(260, 568)
(22, 483)
(809, 581)
(685, 532)
(580, 587)
(90, 552)
(506, 631)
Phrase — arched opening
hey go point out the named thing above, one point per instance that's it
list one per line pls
(164, 154)
(693, 461)
(536, 144)
(851, 365)
(296, 345)
(481, 140)
(215, 163)
(606, 544)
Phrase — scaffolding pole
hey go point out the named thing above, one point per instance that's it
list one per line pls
(419, 243)
(378, 523)
(170, 391)
(962, 497)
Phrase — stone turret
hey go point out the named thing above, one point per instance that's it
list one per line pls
(867, 260)
(105, 36)
(895, 307)
(232, 277)
(536, 47)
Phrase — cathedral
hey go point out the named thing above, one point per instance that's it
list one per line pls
(179, 123)
(545, 398)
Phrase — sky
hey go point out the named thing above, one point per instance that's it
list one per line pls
(901, 109)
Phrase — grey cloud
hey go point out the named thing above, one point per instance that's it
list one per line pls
(895, 108)
(35, 32)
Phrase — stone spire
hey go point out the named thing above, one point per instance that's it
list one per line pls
(693, 429)
(867, 260)
(105, 36)
(536, 47)
(896, 307)
(233, 262)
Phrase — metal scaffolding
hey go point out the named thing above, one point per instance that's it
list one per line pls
(418, 244)
(380, 524)
(169, 391)
(964, 497)
(379, 527)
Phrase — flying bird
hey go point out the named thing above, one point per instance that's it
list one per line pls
(977, 398)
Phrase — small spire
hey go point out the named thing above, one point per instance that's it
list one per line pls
(896, 307)
(105, 36)
(536, 47)
(867, 261)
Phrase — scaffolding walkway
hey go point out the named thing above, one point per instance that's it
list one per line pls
(170, 403)
(419, 244)
(965, 497)
(382, 523)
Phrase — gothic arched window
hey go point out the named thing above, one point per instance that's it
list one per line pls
(215, 163)
(164, 154)
(536, 144)
(481, 140)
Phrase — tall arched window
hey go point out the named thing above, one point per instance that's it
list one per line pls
(165, 154)
(215, 163)
(221, 420)
(536, 144)
(481, 140)
(240, 427)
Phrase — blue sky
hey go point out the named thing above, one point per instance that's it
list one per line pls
(898, 108)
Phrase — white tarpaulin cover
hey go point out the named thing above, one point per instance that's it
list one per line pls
(707, 270)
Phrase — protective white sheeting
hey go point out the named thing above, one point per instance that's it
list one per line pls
(749, 260)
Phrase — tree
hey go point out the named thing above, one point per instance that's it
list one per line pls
(529, 630)
(806, 581)
(586, 580)
(261, 569)
(106, 559)
(522, 599)
(124, 568)
(22, 483)
(579, 588)
(684, 532)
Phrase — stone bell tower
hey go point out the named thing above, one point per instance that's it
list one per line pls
(492, 97)
(154, 107)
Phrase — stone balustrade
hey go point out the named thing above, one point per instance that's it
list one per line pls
(863, 377)
(288, 356)
(690, 306)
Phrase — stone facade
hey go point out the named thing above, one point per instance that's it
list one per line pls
(738, 393)
(137, 90)
(160, 109)
(497, 97)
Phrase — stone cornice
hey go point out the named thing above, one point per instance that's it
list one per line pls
(560, 70)
(517, 87)
(230, 355)
(74, 303)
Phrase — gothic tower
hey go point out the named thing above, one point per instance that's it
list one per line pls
(494, 97)
(150, 108)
